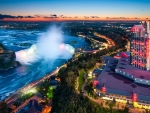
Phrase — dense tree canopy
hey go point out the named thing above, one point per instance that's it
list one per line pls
(66, 100)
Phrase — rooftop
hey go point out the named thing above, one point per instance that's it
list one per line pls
(136, 28)
(118, 84)
(98, 71)
(34, 107)
(135, 72)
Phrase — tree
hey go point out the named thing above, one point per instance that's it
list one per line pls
(50, 92)
(4, 108)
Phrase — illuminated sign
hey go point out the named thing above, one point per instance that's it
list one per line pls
(95, 83)
(135, 98)
(104, 89)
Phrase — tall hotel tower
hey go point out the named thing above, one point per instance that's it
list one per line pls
(140, 46)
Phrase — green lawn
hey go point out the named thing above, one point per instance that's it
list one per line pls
(81, 79)
(27, 96)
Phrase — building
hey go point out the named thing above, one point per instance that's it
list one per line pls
(96, 72)
(125, 55)
(127, 78)
(123, 82)
(46, 109)
(140, 46)
(31, 105)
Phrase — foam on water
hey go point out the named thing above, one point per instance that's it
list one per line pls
(50, 46)
(18, 77)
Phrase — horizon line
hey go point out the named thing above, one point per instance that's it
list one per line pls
(68, 20)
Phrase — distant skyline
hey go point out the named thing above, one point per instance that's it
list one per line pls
(62, 10)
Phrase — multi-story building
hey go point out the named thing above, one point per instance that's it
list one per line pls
(127, 83)
(140, 46)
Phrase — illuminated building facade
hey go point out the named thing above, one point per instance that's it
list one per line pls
(140, 46)
(127, 83)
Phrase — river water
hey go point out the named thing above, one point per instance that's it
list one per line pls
(16, 78)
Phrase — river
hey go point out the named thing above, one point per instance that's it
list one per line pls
(16, 78)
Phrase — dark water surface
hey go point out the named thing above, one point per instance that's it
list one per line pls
(16, 78)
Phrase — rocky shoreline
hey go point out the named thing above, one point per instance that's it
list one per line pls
(7, 59)
(16, 64)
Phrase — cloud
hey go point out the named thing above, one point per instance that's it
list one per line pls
(94, 16)
(136, 18)
(29, 17)
(38, 16)
(20, 16)
(64, 16)
(6, 16)
(53, 15)
(86, 17)
(14, 17)
(97, 17)
(122, 17)
(61, 15)
(119, 18)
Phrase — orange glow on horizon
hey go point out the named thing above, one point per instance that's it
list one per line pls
(73, 19)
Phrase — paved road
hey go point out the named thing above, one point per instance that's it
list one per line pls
(85, 81)
(17, 94)
(77, 86)
(110, 41)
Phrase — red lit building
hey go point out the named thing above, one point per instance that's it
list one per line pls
(104, 89)
(135, 97)
(140, 46)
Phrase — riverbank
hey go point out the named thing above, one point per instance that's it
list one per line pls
(14, 65)
(15, 78)
(12, 97)
(7, 59)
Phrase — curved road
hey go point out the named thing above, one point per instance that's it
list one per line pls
(17, 94)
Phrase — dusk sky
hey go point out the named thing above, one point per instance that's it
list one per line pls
(50, 10)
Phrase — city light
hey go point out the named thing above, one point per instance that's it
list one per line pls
(28, 90)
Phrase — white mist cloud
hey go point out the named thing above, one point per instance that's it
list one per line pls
(50, 46)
